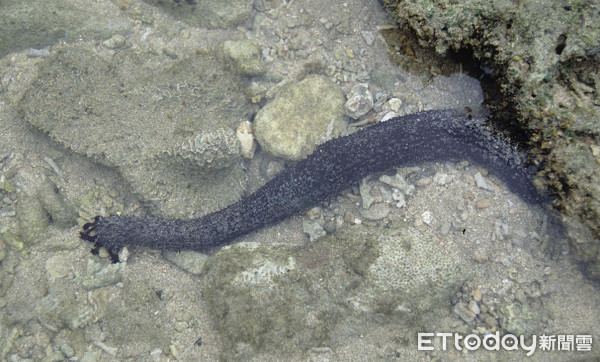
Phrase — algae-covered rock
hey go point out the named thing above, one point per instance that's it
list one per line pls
(281, 299)
(302, 114)
(546, 57)
(117, 119)
(146, 125)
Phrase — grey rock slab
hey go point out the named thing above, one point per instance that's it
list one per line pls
(147, 126)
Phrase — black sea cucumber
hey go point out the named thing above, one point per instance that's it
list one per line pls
(334, 166)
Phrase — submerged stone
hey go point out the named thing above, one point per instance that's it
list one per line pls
(279, 299)
(130, 120)
(302, 114)
(210, 14)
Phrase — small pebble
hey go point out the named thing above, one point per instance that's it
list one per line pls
(108, 275)
(399, 197)
(360, 101)
(395, 104)
(491, 321)
(313, 229)
(115, 42)
(389, 115)
(368, 36)
(474, 307)
(381, 101)
(103, 253)
(67, 350)
(38, 53)
(462, 311)
(398, 182)
(483, 204)
(480, 330)
(481, 182)
(57, 266)
(330, 226)
(170, 53)
(425, 181)
(365, 194)
(445, 228)
(418, 222)
(442, 178)
(477, 295)
(427, 217)
(246, 138)
(123, 254)
(375, 212)
(480, 257)
(272, 168)
(123, 4)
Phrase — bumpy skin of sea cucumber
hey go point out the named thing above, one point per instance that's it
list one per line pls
(334, 166)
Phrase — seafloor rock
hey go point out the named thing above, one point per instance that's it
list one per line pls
(302, 114)
(38, 24)
(244, 56)
(546, 56)
(123, 118)
(210, 14)
(266, 298)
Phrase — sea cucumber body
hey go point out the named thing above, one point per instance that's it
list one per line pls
(334, 166)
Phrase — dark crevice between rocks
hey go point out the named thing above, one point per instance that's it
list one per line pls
(414, 58)
(503, 111)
